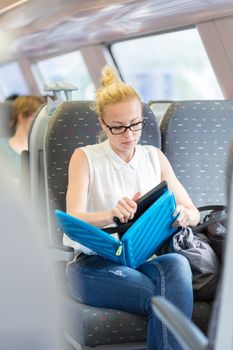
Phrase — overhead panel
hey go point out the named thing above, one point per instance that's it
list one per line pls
(6, 5)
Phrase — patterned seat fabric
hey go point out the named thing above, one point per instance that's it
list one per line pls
(195, 138)
(92, 326)
(103, 326)
(75, 124)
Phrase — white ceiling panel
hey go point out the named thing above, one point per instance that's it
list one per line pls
(40, 27)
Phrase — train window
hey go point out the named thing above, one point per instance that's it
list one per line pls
(12, 81)
(170, 66)
(68, 68)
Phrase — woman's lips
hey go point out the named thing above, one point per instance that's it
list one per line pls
(128, 143)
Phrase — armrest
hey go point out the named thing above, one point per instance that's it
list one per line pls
(24, 176)
(185, 331)
(61, 253)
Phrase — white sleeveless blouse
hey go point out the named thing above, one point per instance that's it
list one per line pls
(112, 179)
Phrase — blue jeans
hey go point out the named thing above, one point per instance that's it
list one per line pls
(99, 282)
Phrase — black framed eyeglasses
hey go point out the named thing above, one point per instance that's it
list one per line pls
(121, 129)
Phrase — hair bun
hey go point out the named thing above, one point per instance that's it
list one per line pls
(109, 76)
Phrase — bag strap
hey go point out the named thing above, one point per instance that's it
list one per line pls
(218, 211)
(117, 229)
(218, 214)
(213, 207)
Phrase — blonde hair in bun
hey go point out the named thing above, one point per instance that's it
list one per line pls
(112, 90)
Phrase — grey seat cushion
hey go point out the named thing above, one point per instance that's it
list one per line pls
(92, 326)
(97, 326)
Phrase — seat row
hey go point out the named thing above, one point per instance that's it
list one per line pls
(195, 136)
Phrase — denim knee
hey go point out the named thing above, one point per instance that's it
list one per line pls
(172, 265)
(179, 282)
(170, 272)
(179, 270)
(178, 264)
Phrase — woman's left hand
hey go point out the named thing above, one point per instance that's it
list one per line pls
(184, 216)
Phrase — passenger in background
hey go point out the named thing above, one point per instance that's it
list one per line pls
(11, 148)
(105, 180)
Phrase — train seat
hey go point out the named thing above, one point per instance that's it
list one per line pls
(195, 138)
(31, 169)
(32, 166)
(36, 164)
(75, 124)
(159, 108)
(198, 158)
(190, 337)
(5, 119)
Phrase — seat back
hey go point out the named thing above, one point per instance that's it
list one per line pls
(159, 109)
(31, 169)
(195, 138)
(5, 119)
(75, 124)
(220, 335)
(36, 164)
(32, 164)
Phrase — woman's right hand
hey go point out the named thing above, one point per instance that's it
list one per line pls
(126, 208)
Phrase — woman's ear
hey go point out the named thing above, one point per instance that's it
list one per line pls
(20, 118)
(101, 123)
(102, 136)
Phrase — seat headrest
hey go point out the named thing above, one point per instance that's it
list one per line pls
(5, 118)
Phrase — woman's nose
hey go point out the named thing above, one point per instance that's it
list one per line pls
(128, 131)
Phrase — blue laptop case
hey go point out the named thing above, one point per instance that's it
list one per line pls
(144, 237)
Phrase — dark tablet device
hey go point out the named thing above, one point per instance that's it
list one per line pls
(143, 203)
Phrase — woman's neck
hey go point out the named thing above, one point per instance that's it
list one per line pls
(126, 156)
(19, 141)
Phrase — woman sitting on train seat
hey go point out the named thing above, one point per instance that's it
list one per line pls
(11, 148)
(105, 180)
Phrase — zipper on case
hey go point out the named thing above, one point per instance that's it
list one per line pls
(119, 250)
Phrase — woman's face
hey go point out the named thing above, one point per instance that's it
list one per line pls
(118, 115)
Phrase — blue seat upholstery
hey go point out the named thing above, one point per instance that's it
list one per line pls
(75, 124)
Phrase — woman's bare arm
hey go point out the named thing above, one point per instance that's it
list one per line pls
(77, 192)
